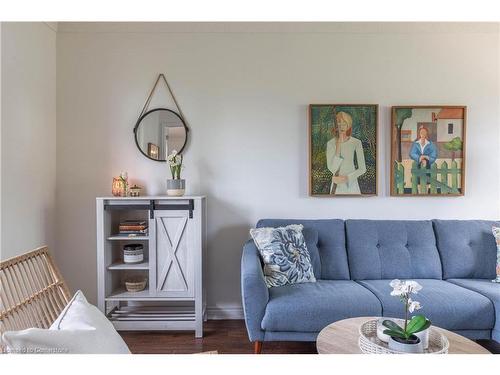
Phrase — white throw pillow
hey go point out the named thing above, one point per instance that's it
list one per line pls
(80, 329)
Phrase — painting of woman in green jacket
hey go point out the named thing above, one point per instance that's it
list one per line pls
(340, 153)
(343, 149)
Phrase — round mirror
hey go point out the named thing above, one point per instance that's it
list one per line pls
(160, 131)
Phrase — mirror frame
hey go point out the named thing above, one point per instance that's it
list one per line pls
(151, 111)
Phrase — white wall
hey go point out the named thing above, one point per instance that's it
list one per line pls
(245, 90)
(1, 257)
(28, 141)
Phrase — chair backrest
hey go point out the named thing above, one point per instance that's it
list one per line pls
(32, 291)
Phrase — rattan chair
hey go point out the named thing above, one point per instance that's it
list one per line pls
(32, 291)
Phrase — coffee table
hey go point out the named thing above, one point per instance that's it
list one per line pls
(342, 338)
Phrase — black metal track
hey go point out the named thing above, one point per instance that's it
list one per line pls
(153, 206)
(174, 207)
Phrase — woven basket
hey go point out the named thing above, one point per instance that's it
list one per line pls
(135, 284)
(369, 343)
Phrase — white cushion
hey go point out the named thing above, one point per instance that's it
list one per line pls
(80, 329)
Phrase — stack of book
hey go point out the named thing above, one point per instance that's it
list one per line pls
(132, 228)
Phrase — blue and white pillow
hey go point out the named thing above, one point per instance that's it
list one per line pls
(285, 255)
(496, 233)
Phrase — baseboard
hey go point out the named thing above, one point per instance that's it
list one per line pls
(225, 312)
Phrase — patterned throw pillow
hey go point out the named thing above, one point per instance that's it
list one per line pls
(496, 233)
(285, 255)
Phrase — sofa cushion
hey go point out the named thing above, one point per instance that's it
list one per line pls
(467, 248)
(311, 238)
(447, 305)
(487, 289)
(388, 249)
(310, 307)
(331, 244)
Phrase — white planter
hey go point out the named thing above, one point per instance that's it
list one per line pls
(423, 335)
(406, 348)
(424, 338)
(176, 188)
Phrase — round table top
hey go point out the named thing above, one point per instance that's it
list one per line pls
(342, 338)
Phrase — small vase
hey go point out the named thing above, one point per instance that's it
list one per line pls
(399, 345)
(176, 187)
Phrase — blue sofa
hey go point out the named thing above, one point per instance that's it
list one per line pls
(354, 261)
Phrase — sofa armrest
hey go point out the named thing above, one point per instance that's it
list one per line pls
(255, 294)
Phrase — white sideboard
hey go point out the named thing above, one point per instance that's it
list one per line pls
(174, 248)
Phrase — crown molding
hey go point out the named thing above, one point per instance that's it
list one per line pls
(52, 25)
(280, 27)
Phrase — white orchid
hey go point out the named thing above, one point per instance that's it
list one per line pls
(413, 305)
(413, 286)
(404, 288)
(397, 287)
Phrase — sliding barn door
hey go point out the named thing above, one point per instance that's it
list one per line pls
(174, 254)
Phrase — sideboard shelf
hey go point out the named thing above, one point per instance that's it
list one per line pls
(122, 294)
(174, 249)
(128, 266)
(116, 237)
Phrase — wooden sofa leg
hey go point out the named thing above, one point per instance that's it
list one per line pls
(257, 347)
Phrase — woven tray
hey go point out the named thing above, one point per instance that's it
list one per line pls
(369, 343)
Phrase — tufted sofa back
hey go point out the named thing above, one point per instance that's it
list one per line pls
(331, 244)
(467, 248)
(388, 249)
(404, 249)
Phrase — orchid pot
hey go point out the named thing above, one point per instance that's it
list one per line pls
(422, 335)
(412, 336)
(411, 345)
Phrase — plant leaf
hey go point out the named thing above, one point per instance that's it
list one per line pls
(425, 326)
(392, 333)
(392, 326)
(416, 324)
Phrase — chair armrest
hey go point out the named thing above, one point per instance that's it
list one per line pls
(254, 291)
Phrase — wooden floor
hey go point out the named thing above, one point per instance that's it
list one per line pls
(225, 336)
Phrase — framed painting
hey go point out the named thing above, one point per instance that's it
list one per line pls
(428, 150)
(343, 150)
(153, 151)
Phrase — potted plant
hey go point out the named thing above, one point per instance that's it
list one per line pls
(405, 339)
(175, 186)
